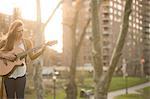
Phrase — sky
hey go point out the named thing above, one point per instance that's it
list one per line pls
(53, 30)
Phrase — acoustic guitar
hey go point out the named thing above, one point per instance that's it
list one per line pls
(7, 66)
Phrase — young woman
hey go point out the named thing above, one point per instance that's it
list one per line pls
(15, 82)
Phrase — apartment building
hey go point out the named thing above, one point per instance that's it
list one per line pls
(145, 11)
(111, 15)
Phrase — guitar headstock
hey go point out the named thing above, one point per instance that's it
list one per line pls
(50, 43)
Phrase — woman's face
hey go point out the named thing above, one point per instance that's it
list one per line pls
(19, 31)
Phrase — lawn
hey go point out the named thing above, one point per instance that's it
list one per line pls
(120, 83)
(144, 94)
(116, 83)
(87, 83)
(130, 96)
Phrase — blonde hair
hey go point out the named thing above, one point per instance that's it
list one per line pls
(12, 35)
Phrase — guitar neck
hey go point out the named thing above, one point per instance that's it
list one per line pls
(28, 51)
(36, 48)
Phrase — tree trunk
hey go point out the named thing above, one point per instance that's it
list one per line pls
(96, 47)
(38, 80)
(71, 86)
(71, 89)
(37, 65)
(103, 78)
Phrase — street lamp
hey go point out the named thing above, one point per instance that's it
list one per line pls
(125, 74)
(126, 82)
(55, 74)
(54, 87)
(142, 61)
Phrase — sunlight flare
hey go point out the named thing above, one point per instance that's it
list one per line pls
(53, 31)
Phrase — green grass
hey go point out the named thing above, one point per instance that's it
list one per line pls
(59, 95)
(147, 89)
(88, 84)
(146, 92)
(116, 83)
(119, 82)
(129, 96)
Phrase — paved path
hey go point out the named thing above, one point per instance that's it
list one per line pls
(111, 95)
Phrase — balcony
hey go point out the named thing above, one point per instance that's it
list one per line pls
(106, 33)
(105, 21)
(106, 28)
(106, 57)
(106, 3)
(106, 52)
(106, 46)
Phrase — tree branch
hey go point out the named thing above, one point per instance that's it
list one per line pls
(82, 35)
(53, 13)
(122, 36)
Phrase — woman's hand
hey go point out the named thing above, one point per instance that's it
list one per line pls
(9, 56)
(43, 48)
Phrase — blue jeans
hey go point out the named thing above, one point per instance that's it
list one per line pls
(15, 87)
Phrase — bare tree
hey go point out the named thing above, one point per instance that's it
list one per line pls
(102, 79)
(96, 50)
(39, 39)
(70, 23)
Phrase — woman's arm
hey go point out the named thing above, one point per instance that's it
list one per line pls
(2, 43)
(33, 55)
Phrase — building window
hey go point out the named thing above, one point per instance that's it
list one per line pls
(111, 17)
(137, 20)
(104, 63)
(106, 57)
(142, 39)
(119, 13)
(134, 25)
(111, 10)
(106, 34)
(133, 6)
(111, 3)
(130, 17)
(115, 5)
(106, 7)
(140, 16)
(106, 50)
(117, 19)
(105, 15)
(119, 1)
(134, 43)
(115, 11)
(119, 7)
(105, 22)
(137, 2)
(106, 28)
(137, 26)
(134, 37)
(106, 43)
(140, 28)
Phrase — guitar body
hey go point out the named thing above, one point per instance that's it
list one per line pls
(7, 67)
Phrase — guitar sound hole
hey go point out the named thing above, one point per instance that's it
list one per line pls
(22, 64)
